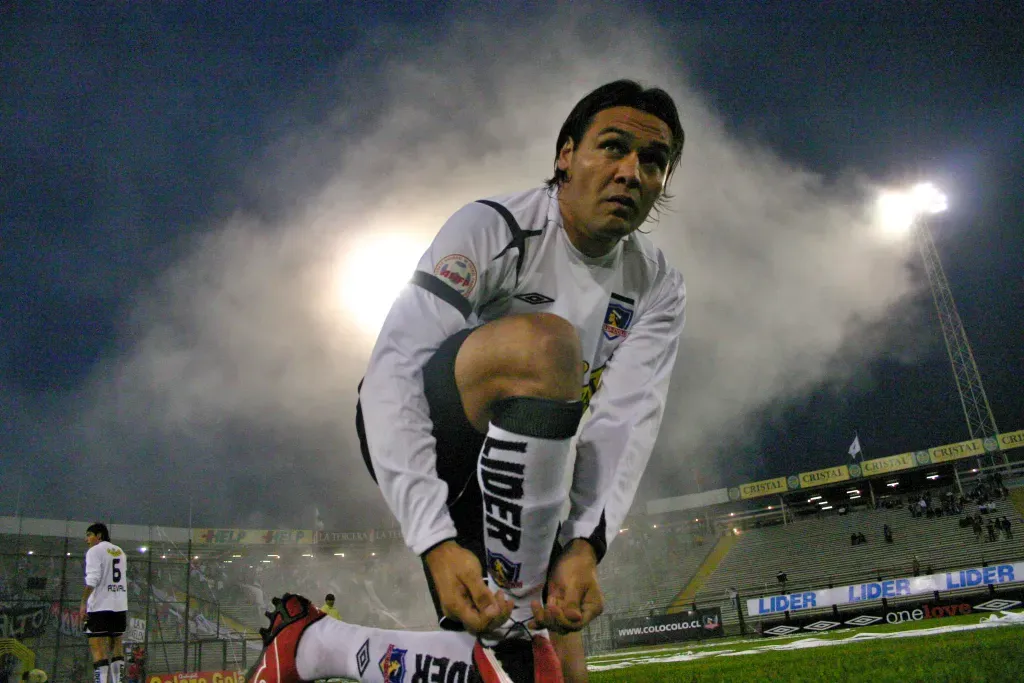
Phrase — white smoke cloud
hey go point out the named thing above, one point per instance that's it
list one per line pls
(240, 364)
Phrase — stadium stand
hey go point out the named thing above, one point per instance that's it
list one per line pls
(816, 552)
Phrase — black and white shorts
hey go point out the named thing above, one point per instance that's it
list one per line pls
(458, 448)
(105, 624)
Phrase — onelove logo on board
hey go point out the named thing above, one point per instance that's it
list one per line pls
(907, 612)
(224, 676)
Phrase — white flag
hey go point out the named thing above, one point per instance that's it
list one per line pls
(855, 446)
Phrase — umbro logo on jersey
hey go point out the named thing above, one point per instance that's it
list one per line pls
(534, 298)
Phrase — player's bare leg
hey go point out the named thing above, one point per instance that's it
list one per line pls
(99, 647)
(520, 379)
(115, 648)
(569, 648)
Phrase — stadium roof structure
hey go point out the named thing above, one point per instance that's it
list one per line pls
(857, 471)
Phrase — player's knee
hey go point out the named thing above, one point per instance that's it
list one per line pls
(554, 359)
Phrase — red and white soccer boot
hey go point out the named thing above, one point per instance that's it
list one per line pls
(516, 660)
(292, 615)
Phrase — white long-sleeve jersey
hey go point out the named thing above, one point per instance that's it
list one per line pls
(510, 255)
(106, 571)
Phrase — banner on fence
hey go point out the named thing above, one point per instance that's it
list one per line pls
(892, 463)
(918, 610)
(371, 536)
(136, 632)
(253, 536)
(956, 451)
(829, 475)
(668, 628)
(893, 588)
(198, 677)
(1011, 440)
(23, 622)
(764, 487)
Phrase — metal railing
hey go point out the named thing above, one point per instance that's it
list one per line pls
(174, 615)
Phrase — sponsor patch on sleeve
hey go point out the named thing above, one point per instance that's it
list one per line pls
(457, 271)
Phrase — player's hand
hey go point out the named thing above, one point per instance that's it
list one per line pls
(574, 598)
(458, 580)
(81, 612)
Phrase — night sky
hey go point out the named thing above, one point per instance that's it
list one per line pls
(142, 146)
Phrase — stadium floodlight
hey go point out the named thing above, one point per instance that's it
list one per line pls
(932, 476)
(813, 498)
(265, 561)
(827, 507)
(69, 554)
(236, 556)
(195, 557)
(31, 552)
(272, 555)
(143, 549)
(228, 561)
(163, 557)
(898, 210)
(373, 554)
(655, 526)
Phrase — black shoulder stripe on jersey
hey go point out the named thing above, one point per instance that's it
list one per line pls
(518, 234)
(624, 299)
(435, 286)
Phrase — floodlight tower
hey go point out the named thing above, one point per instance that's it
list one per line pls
(911, 208)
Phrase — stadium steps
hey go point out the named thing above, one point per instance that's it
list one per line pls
(225, 620)
(814, 552)
(706, 569)
(636, 582)
(1017, 497)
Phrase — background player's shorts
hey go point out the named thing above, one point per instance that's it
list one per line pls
(458, 448)
(106, 623)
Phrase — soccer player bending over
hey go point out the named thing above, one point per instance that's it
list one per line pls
(525, 309)
(104, 609)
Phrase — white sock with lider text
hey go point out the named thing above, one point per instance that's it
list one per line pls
(101, 671)
(521, 471)
(116, 664)
(331, 648)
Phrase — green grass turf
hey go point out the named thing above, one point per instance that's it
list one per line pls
(991, 654)
(736, 643)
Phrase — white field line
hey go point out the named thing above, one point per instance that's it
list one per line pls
(640, 658)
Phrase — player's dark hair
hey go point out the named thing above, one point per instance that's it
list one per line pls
(621, 93)
(330, 596)
(99, 529)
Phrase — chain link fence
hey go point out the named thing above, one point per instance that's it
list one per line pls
(178, 620)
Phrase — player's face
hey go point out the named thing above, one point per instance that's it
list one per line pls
(92, 539)
(615, 174)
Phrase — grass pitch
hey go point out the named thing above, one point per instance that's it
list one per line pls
(987, 654)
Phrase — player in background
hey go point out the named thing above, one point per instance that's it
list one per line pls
(525, 308)
(104, 609)
(329, 609)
